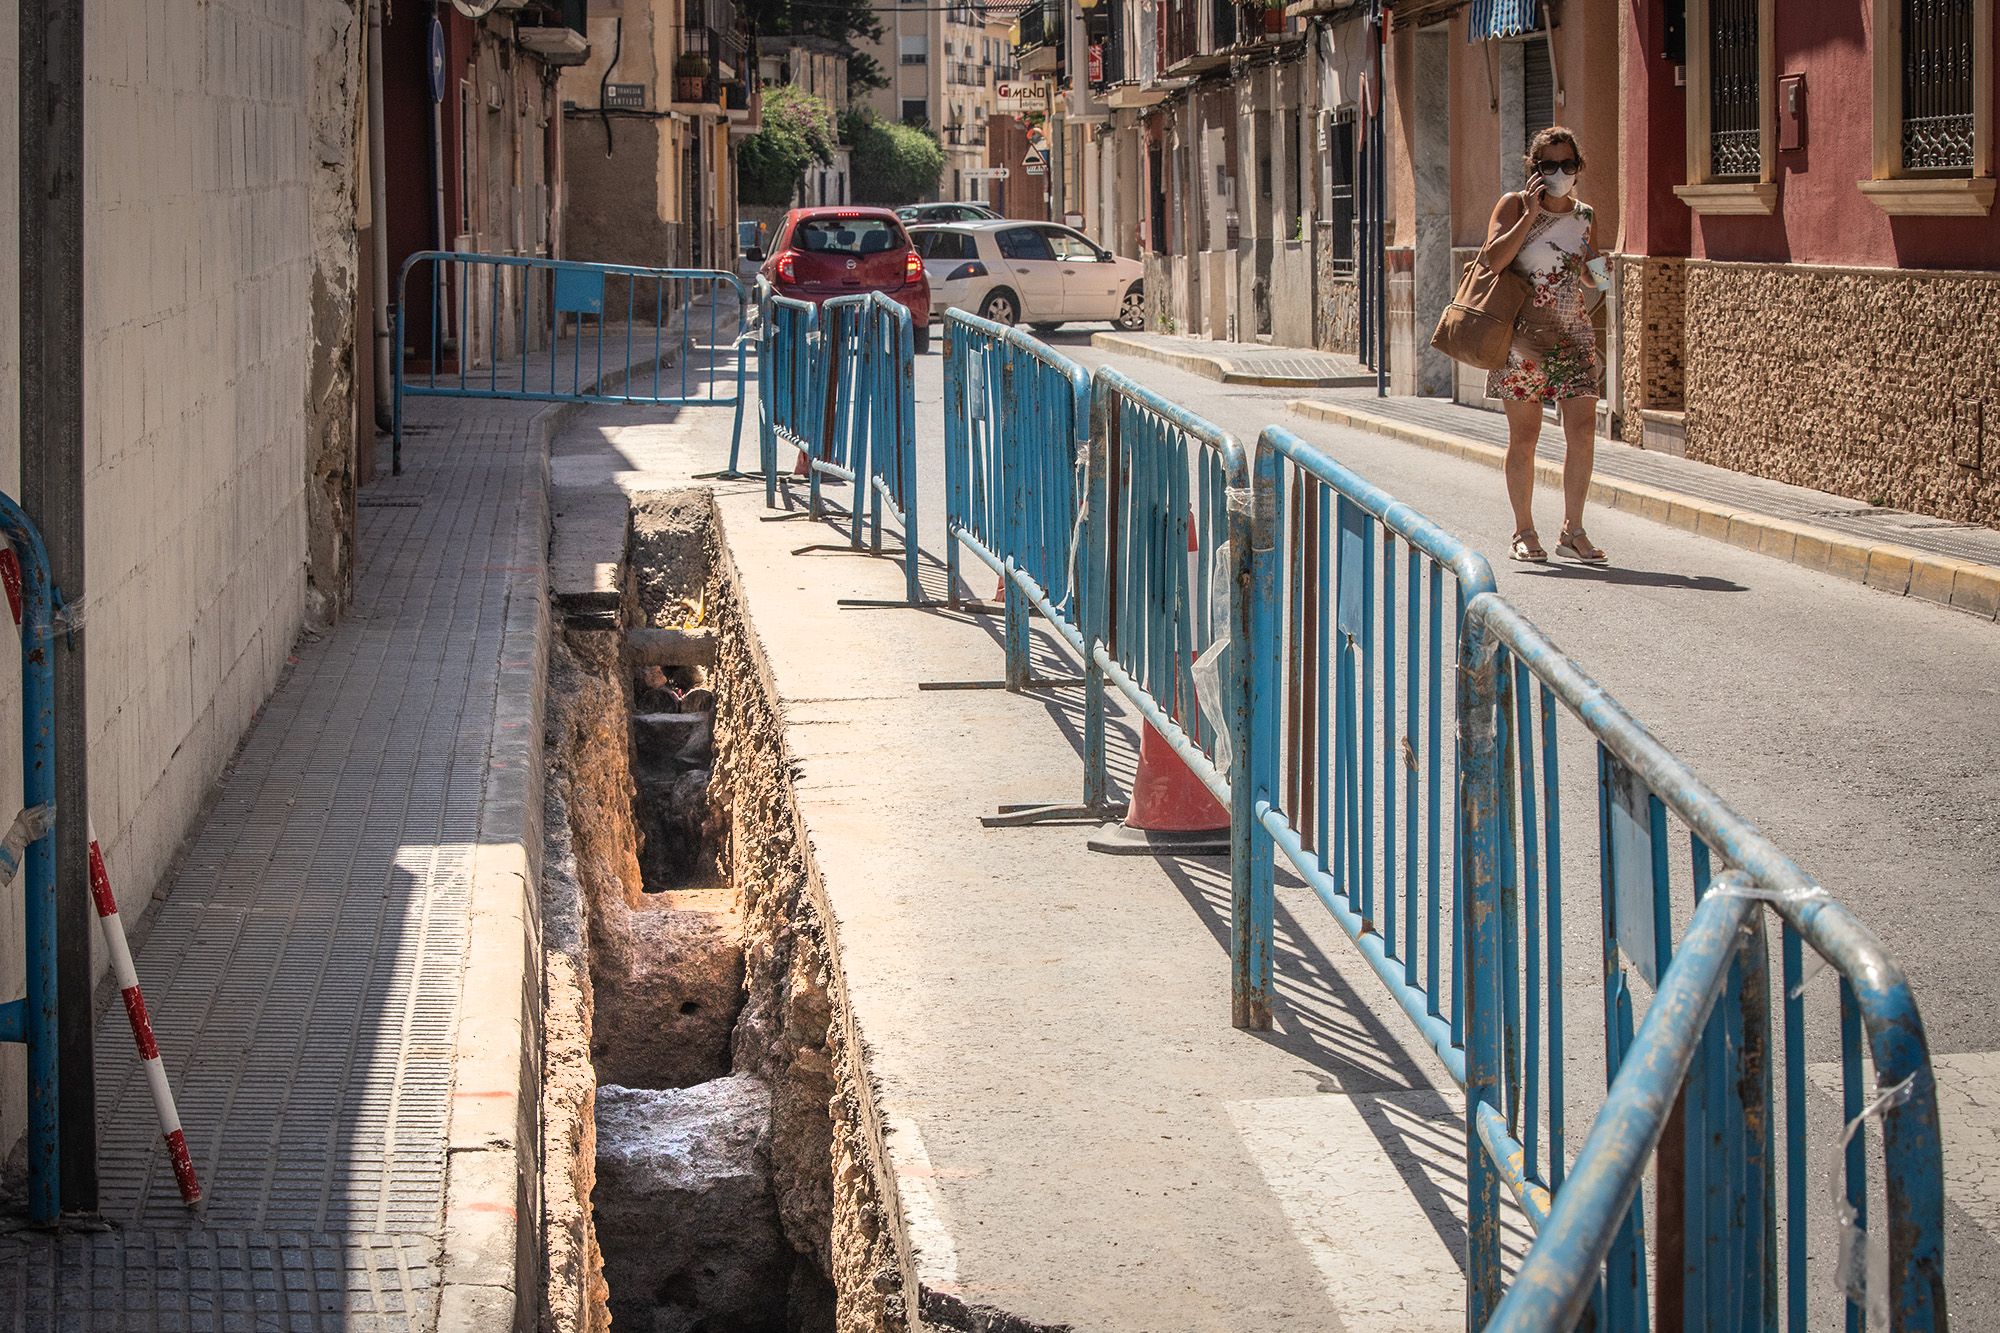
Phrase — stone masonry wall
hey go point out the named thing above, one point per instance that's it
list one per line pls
(1880, 385)
(1653, 296)
(207, 124)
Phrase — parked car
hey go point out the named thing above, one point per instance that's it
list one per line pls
(1038, 273)
(960, 212)
(749, 250)
(822, 253)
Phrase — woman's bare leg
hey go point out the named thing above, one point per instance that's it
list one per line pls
(1579, 418)
(1524, 428)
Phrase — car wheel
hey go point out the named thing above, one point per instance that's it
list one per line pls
(923, 340)
(1001, 306)
(1132, 310)
(1045, 325)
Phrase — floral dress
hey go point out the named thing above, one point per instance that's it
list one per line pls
(1554, 355)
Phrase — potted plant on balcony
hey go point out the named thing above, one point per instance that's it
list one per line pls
(691, 77)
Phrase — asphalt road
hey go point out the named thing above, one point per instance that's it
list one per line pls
(1860, 730)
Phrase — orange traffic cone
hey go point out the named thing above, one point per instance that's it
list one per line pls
(802, 468)
(1171, 813)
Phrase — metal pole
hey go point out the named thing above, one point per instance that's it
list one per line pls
(51, 268)
(378, 220)
(1380, 138)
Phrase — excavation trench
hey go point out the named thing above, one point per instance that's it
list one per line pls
(703, 1159)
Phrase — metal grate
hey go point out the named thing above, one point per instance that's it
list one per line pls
(1340, 191)
(1937, 85)
(1735, 149)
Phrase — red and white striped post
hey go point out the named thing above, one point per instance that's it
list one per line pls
(113, 927)
(142, 1026)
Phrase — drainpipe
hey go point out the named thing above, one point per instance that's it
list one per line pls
(52, 487)
(378, 221)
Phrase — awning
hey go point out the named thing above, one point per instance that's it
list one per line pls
(1487, 19)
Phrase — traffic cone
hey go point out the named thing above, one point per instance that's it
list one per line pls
(1171, 812)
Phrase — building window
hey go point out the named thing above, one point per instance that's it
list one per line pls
(1933, 136)
(1735, 150)
(1340, 190)
(916, 111)
(915, 50)
(1937, 86)
(1732, 118)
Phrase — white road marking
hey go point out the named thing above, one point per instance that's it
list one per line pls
(932, 1253)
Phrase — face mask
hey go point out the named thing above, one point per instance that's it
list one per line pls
(1559, 183)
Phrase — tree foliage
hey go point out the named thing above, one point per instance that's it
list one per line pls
(798, 131)
(893, 164)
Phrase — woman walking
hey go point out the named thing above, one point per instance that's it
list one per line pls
(1545, 234)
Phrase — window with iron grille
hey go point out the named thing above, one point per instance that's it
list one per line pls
(1340, 191)
(1937, 86)
(1735, 108)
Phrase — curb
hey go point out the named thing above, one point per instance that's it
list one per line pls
(1219, 369)
(1959, 584)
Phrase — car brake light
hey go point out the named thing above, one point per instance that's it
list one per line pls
(788, 268)
(973, 269)
(913, 268)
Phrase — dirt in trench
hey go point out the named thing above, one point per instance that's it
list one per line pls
(700, 1123)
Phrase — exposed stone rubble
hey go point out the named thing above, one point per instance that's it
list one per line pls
(685, 1207)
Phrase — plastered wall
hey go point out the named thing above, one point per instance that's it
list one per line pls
(211, 126)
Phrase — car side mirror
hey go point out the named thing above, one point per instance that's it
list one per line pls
(755, 254)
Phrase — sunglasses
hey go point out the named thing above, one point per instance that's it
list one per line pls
(1548, 165)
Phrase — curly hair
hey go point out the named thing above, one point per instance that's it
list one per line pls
(1545, 139)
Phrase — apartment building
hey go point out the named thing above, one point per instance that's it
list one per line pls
(650, 126)
(943, 62)
(818, 65)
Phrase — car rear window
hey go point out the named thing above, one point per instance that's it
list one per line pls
(1025, 243)
(945, 245)
(847, 236)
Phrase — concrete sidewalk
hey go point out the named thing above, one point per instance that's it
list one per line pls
(1242, 363)
(1936, 560)
(1952, 564)
(341, 967)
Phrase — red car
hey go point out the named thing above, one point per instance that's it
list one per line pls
(821, 253)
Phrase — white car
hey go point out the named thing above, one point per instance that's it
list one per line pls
(1036, 273)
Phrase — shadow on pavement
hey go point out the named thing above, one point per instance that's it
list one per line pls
(1635, 578)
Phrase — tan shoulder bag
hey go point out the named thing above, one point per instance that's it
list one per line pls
(1477, 327)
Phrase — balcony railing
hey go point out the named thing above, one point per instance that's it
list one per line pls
(1041, 26)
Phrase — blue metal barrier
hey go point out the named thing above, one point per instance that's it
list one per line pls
(574, 329)
(1696, 1079)
(32, 1019)
(1354, 620)
(1016, 442)
(789, 370)
(869, 437)
(1174, 544)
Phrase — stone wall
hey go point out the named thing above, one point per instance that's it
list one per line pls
(1337, 301)
(1653, 298)
(218, 349)
(1881, 385)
